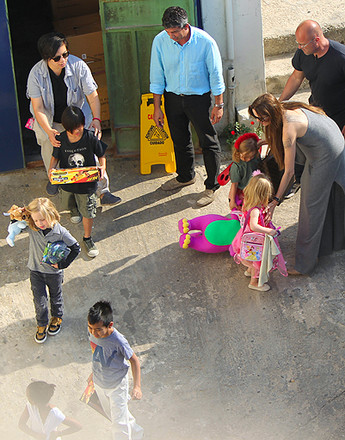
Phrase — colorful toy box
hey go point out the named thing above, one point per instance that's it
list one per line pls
(74, 175)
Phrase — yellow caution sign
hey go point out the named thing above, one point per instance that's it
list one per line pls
(156, 146)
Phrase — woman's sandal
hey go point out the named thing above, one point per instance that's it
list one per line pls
(294, 272)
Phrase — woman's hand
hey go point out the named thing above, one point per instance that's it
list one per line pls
(262, 142)
(268, 212)
(96, 125)
(52, 133)
(232, 205)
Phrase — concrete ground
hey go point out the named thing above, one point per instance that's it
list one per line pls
(282, 17)
(219, 361)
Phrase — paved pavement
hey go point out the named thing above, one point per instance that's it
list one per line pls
(219, 361)
(282, 17)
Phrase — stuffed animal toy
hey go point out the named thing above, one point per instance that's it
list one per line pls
(18, 222)
(215, 233)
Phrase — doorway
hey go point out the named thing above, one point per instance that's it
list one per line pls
(27, 22)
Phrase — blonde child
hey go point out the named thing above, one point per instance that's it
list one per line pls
(40, 419)
(256, 197)
(45, 228)
(246, 158)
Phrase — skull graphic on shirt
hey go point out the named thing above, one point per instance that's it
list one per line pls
(76, 160)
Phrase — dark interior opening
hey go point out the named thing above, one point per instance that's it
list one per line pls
(27, 22)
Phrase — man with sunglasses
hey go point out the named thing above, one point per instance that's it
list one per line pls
(57, 81)
(186, 66)
(322, 62)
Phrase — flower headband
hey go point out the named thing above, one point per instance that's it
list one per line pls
(256, 173)
(244, 137)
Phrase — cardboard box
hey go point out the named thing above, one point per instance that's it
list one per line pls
(88, 47)
(74, 175)
(78, 25)
(73, 8)
(102, 90)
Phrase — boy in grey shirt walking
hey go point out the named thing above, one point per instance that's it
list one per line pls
(111, 359)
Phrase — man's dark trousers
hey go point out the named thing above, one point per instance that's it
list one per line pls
(180, 110)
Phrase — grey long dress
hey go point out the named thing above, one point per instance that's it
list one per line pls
(321, 150)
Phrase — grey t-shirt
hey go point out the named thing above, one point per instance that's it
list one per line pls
(110, 359)
(38, 242)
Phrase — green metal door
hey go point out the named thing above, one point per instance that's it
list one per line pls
(128, 28)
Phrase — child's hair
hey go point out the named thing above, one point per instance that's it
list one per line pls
(72, 118)
(258, 192)
(246, 143)
(46, 208)
(39, 392)
(101, 311)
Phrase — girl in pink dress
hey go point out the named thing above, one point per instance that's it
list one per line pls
(256, 197)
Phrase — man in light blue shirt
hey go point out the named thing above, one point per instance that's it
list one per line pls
(186, 66)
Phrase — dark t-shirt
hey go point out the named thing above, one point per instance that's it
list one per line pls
(326, 76)
(241, 172)
(79, 154)
(59, 92)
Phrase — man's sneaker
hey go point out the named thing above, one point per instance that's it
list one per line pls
(76, 219)
(294, 189)
(41, 334)
(52, 190)
(90, 246)
(172, 184)
(206, 198)
(108, 198)
(54, 326)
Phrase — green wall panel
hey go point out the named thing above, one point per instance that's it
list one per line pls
(128, 28)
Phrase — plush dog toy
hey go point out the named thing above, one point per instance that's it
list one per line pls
(18, 222)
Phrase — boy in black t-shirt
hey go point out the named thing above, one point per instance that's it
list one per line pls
(78, 149)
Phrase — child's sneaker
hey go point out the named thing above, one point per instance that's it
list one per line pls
(54, 326)
(91, 248)
(75, 219)
(41, 334)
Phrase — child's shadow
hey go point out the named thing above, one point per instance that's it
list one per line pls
(141, 210)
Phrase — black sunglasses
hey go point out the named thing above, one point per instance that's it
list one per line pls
(264, 119)
(64, 55)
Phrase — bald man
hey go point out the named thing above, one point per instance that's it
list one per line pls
(322, 62)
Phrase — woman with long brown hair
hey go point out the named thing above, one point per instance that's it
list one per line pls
(301, 133)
